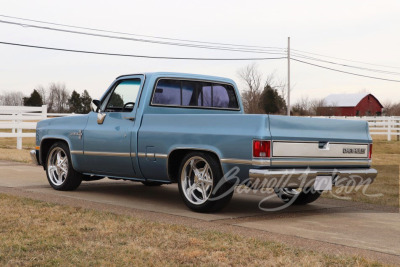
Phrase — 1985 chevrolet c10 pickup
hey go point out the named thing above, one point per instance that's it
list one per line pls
(160, 128)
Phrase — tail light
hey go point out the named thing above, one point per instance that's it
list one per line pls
(370, 151)
(261, 149)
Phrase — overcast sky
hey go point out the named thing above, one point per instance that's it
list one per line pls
(366, 31)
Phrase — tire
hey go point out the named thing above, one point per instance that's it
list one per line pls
(59, 171)
(303, 196)
(199, 175)
(151, 183)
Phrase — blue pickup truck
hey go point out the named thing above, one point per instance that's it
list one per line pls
(161, 128)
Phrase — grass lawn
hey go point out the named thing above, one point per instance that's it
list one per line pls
(39, 233)
(8, 149)
(386, 159)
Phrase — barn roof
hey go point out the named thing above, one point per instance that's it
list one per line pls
(345, 100)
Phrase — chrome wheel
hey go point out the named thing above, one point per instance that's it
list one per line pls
(57, 166)
(291, 191)
(196, 180)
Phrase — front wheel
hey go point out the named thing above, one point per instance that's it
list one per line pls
(300, 196)
(201, 183)
(59, 171)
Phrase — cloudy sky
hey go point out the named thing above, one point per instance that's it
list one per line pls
(367, 31)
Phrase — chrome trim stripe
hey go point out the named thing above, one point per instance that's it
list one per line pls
(312, 150)
(285, 162)
(260, 162)
(155, 155)
(111, 154)
(160, 156)
(93, 153)
(301, 141)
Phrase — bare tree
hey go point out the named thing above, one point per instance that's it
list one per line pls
(391, 109)
(251, 78)
(12, 99)
(58, 98)
(303, 107)
(43, 93)
(280, 85)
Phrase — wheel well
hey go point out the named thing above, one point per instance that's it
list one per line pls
(175, 159)
(45, 147)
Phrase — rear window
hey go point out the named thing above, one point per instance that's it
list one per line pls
(194, 94)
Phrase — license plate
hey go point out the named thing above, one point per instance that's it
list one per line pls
(323, 183)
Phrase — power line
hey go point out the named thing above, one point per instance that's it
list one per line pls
(355, 61)
(351, 73)
(187, 58)
(138, 56)
(252, 50)
(240, 46)
(346, 65)
(141, 35)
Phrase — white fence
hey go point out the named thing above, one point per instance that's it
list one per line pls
(21, 118)
(388, 126)
(15, 119)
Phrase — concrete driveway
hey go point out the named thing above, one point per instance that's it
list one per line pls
(331, 221)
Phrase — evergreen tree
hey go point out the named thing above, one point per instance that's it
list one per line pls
(35, 100)
(75, 102)
(271, 102)
(116, 101)
(86, 102)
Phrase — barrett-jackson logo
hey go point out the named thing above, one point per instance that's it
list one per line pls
(353, 150)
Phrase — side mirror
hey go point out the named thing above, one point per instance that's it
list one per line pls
(96, 105)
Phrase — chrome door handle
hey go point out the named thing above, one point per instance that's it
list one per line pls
(101, 117)
(129, 118)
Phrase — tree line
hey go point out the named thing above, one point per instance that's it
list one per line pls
(267, 96)
(56, 96)
(259, 96)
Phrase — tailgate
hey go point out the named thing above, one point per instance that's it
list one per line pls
(299, 141)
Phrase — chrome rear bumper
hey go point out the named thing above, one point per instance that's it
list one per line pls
(297, 178)
(34, 157)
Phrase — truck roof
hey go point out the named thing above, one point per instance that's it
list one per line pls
(180, 75)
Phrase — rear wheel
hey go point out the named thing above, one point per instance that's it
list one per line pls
(201, 185)
(300, 196)
(59, 171)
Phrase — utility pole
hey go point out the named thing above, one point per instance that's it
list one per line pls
(288, 76)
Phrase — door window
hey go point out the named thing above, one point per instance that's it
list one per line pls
(123, 97)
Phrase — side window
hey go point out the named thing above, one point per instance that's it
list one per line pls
(124, 96)
(206, 95)
(194, 94)
(168, 92)
(189, 92)
(224, 96)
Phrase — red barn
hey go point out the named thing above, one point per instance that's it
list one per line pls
(351, 105)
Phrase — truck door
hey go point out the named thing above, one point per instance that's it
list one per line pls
(108, 147)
